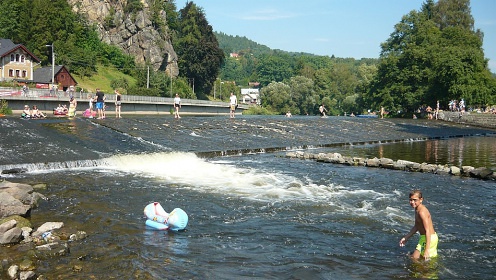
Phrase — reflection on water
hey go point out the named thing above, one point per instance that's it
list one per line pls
(464, 151)
(424, 269)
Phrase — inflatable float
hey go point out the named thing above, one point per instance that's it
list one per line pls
(157, 218)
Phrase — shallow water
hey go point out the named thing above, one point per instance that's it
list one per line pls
(252, 215)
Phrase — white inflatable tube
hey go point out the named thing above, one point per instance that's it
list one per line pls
(178, 219)
(155, 212)
(159, 219)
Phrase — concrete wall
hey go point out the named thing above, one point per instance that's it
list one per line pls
(472, 118)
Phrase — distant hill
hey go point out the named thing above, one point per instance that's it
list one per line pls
(239, 44)
(243, 45)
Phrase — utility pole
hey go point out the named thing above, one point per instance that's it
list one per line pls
(53, 65)
(148, 78)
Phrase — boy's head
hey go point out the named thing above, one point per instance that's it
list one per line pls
(416, 198)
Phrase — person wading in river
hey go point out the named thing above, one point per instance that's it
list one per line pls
(427, 245)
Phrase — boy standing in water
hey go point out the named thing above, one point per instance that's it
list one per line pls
(423, 224)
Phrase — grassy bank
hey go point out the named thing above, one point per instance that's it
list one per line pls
(103, 79)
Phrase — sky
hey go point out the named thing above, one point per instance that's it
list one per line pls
(343, 28)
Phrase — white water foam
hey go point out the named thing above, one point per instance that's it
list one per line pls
(186, 170)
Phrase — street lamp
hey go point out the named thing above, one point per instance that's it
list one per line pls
(53, 64)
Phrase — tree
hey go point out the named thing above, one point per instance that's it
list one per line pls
(12, 15)
(433, 54)
(277, 97)
(200, 57)
(301, 94)
(273, 68)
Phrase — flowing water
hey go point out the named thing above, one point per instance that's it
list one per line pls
(254, 213)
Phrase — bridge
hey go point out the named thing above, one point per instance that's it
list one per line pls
(47, 100)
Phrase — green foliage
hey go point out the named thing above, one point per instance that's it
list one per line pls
(119, 83)
(76, 43)
(433, 54)
(133, 6)
(240, 45)
(109, 21)
(12, 14)
(258, 110)
(160, 81)
(4, 108)
(200, 57)
(276, 97)
(274, 68)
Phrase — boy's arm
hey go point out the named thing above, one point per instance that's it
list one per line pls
(406, 237)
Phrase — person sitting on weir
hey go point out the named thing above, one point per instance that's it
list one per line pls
(26, 113)
(35, 113)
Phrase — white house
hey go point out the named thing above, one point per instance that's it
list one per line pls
(16, 62)
(250, 95)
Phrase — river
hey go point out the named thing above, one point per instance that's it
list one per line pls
(253, 213)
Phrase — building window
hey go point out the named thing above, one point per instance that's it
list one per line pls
(22, 58)
(24, 73)
(12, 57)
(17, 57)
(18, 73)
(11, 73)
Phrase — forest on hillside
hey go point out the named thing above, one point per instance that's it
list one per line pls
(433, 54)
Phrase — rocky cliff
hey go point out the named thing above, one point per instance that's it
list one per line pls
(134, 32)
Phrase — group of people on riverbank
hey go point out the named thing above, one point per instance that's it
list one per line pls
(97, 107)
(98, 102)
(33, 113)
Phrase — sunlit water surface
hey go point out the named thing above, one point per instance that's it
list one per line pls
(252, 215)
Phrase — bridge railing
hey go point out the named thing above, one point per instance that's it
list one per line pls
(17, 93)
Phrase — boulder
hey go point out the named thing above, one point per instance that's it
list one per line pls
(428, 168)
(386, 161)
(321, 157)
(481, 173)
(374, 162)
(466, 170)
(9, 206)
(13, 235)
(348, 161)
(21, 192)
(4, 227)
(12, 271)
(21, 221)
(27, 275)
(409, 165)
(359, 161)
(442, 169)
(49, 226)
(17, 199)
(455, 171)
(291, 154)
(307, 155)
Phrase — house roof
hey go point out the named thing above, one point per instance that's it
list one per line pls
(43, 75)
(7, 46)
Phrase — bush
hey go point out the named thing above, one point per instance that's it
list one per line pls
(4, 108)
(258, 110)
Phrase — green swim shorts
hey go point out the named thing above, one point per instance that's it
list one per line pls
(433, 247)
